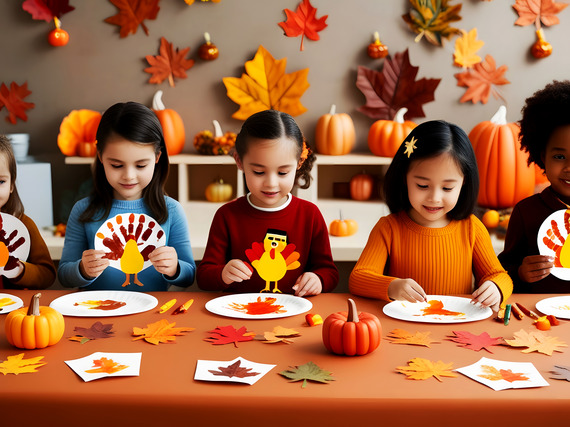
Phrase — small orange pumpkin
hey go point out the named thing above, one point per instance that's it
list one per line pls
(334, 134)
(172, 125)
(34, 326)
(217, 143)
(343, 227)
(79, 126)
(208, 51)
(219, 191)
(386, 136)
(361, 186)
(376, 49)
(352, 333)
(58, 36)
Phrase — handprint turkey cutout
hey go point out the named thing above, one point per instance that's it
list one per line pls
(553, 240)
(14, 244)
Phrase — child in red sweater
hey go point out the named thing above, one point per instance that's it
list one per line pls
(269, 240)
(431, 243)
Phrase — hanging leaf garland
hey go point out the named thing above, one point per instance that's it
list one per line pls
(13, 99)
(432, 18)
(303, 22)
(133, 13)
(170, 63)
(45, 10)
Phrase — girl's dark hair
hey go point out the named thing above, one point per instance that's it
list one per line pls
(136, 123)
(273, 124)
(432, 139)
(14, 205)
(545, 111)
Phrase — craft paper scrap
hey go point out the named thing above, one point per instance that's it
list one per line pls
(502, 375)
(100, 365)
(238, 370)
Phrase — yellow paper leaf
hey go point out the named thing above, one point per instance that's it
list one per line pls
(161, 331)
(536, 341)
(18, 365)
(466, 48)
(400, 336)
(422, 369)
(279, 334)
(267, 86)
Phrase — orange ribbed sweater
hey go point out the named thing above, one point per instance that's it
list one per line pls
(441, 260)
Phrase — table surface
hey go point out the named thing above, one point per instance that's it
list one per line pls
(366, 388)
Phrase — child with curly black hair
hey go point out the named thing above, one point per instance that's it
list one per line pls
(545, 135)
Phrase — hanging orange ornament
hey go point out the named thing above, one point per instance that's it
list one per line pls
(541, 48)
(376, 49)
(208, 51)
(58, 36)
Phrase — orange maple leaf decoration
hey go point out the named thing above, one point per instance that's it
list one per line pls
(18, 365)
(536, 341)
(400, 336)
(537, 11)
(13, 100)
(422, 369)
(303, 22)
(104, 365)
(160, 331)
(132, 13)
(482, 81)
(266, 86)
(168, 64)
(494, 374)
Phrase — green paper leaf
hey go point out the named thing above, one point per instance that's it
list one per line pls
(307, 372)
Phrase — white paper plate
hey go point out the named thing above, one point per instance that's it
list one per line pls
(135, 302)
(291, 305)
(558, 306)
(558, 217)
(412, 312)
(8, 308)
(10, 224)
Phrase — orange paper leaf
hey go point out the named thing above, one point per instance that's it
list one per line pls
(400, 336)
(536, 341)
(266, 86)
(466, 48)
(160, 331)
(279, 334)
(537, 11)
(13, 100)
(107, 366)
(168, 64)
(482, 81)
(422, 369)
(132, 13)
(503, 374)
(303, 22)
(18, 365)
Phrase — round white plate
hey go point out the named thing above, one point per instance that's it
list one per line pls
(412, 312)
(558, 217)
(557, 306)
(135, 302)
(291, 305)
(8, 308)
(8, 225)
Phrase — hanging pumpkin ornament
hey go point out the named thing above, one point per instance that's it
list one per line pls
(172, 125)
(208, 51)
(217, 143)
(541, 48)
(376, 49)
(58, 36)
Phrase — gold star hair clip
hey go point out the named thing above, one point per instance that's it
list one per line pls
(410, 146)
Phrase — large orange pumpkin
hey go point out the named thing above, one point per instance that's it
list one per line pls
(504, 175)
(172, 125)
(77, 128)
(334, 134)
(386, 136)
(351, 333)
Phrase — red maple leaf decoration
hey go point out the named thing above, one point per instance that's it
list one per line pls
(393, 88)
(229, 334)
(482, 80)
(13, 100)
(132, 13)
(45, 10)
(303, 22)
(168, 64)
(479, 342)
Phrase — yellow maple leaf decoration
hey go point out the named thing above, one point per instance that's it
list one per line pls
(401, 336)
(536, 341)
(466, 48)
(279, 334)
(410, 146)
(160, 331)
(422, 369)
(18, 365)
(267, 86)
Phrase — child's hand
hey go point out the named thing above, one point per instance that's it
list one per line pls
(236, 271)
(535, 268)
(164, 260)
(308, 284)
(92, 263)
(488, 294)
(407, 290)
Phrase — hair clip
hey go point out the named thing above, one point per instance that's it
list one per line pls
(304, 153)
(410, 146)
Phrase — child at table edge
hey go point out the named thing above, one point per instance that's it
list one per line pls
(431, 243)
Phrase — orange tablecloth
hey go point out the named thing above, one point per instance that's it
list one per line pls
(367, 390)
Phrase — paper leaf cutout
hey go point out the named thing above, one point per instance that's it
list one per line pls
(168, 64)
(266, 86)
(160, 331)
(537, 11)
(132, 13)
(279, 334)
(18, 365)
(107, 366)
(45, 10)
(234, 370)
(495, 374)
(400, 336)
(303, 22)
(97, 330)
(474, 342)
(13, 100)
(432, 19)
(560, 373)
(536, 341)
(466, 48)
(229, 334)
(482, 81)
(393, 88)
(307, 372)
(422, 369)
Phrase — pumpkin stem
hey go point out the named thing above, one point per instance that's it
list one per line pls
(340, 214)
(217, 129)
(399, 117)
(57, 22)
(333, 110)
(34, 308)
(352, 312)
(376, 37)
(157, 103)
(207, 37)
(500, 117)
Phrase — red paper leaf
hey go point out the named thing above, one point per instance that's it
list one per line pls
(168, 64)
(393, 88)
(303, 22)
(482, 80)
(13, 100)
(479, 342)
(537, 11)
(132, 13)
(229, 334)
(45, 10)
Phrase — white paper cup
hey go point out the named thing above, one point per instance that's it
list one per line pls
(20, 144)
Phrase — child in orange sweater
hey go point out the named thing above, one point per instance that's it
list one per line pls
(431, 243)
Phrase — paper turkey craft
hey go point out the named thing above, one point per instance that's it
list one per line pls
(128, 239)
(14, 244)
(553, 241)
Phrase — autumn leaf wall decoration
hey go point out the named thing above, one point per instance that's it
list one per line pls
(466, 48)
(170, 63)
(266, 86)
(133, 13)
(13, 99)
(432, 18)
(482, 81)
(45, 10)
(303, 22)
